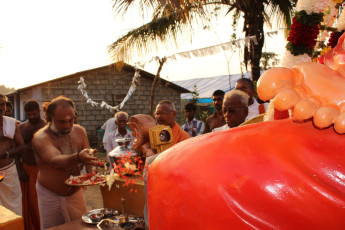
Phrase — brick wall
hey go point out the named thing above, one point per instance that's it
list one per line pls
(111, 87)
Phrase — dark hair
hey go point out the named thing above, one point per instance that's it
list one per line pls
(4, 97)
(190, 106)
(247, 80)
(9, 104)
(60, 100)
(169, 103)
(31, 105)
(218, 92)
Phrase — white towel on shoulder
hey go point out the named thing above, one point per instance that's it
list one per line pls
(9, 126)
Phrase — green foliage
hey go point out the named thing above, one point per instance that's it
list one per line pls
(195, 95)
(298, 49)
(175, 18)
(309, 19)
(201, 112)
(268, 60)
(235, 19)
(204, 114)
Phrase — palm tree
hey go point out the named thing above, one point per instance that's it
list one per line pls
(268, 60)
(171, 17)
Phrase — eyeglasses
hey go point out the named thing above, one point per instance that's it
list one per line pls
(231, 110)
(162, 114)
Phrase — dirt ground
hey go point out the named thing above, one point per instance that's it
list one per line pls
(93, 195)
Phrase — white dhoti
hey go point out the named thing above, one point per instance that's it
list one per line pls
(56, 210)
(10, 191)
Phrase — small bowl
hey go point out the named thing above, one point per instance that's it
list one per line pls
(127, 225)
(108, 212)
(96, 217)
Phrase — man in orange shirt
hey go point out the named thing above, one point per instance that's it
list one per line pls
(165, 114)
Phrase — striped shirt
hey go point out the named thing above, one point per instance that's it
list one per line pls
(194, 128)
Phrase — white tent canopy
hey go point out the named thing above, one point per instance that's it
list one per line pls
(206, 86)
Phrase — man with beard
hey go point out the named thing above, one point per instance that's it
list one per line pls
(11, 144)
(27, 129)
(61, 147)
(215, 120)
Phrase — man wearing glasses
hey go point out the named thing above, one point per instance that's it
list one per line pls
(254, 108)
(235, 109)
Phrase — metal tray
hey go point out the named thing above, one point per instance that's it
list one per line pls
(86, 217)
(113, 223)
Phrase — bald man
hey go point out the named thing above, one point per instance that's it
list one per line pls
(61, 147)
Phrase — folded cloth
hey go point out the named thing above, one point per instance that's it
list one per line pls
(9, 126)
(10, 193)
(56, 210)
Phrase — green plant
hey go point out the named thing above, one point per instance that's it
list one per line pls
(268, 60)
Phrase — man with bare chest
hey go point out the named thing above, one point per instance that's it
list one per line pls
(27, 129)
(11, 144)
(216, 120)
(61, 148)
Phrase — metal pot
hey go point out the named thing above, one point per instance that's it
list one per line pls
(123, 157)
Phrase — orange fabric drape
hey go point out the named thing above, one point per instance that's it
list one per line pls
(29, 198)
(179, 134)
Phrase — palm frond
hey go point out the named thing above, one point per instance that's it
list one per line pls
(280, 11)
(144, 6)
(167, 27)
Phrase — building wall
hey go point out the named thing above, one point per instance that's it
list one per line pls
(111, 87)
(29, 94)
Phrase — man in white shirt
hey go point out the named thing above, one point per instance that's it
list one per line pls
(254, 108)
(121, 119)
(108, 127)
(192, 126)
(235, 109)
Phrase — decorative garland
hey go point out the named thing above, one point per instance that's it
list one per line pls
(333, 39)
(103, 104)
(304, 41)
(303, 33)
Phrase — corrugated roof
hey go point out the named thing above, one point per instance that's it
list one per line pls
(206, 86)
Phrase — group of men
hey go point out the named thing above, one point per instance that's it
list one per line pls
(232, 109)
(17, 161)
(46, 153)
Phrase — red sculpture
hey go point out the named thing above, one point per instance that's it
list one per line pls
(269, 175)
(284, 174)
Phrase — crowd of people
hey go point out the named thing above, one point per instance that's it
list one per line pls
(38, 155)
(232, 109)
